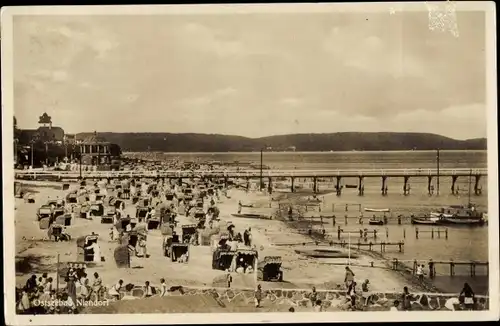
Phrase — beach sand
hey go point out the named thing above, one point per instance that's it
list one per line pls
(35, 256)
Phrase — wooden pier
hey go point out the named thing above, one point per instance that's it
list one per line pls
(433, 232)
(334, 176)
(431, 264)
(371, 246)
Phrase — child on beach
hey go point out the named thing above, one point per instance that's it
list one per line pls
(163, 288)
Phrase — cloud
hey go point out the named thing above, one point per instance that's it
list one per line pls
(252, 75)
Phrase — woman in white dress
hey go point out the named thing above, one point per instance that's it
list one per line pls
(84, 290)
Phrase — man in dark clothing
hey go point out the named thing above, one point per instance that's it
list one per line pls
(245, 237)
(31, 284)
(175, 237)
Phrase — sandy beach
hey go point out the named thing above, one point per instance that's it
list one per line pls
(33, 255)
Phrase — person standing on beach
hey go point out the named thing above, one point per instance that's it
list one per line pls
(163, 288)
(351, 295)
(97, 286)
(420, 273)
(245, 237)
(468, 297)
(258, 296)
(249, 237)
(314, 296)
(239, 207)
(229, 278)
(406, 299)
(349, 276)
(148, 290)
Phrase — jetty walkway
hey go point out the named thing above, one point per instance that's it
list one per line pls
(315, 175)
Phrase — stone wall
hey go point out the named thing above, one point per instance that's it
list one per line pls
(330, 298)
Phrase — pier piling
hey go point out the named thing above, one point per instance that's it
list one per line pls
(384, 185)
(338, 187)
(454, 179)
(433, 232)
(406, 186)
(477, 189)
(430, 187)
(361, 186)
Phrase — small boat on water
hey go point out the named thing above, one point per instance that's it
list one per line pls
(453, 215)
(424, 220)
(375, 222)
(378, 210)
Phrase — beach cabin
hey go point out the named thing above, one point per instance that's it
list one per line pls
(85, 254)
(269, 270)
(122, 256)
(188, 231)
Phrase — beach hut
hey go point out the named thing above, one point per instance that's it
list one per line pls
(141, 212)
(18, 190)
(84, 210)
(84, 254)
(72, 198)
(121, 225)
(44, 223)
(122, 256)
(269, 270)
(44, 211)
(154, 221)
(179, 249)
(222, 259)
(56, 230)
(64, 219)
(29, 198)
(166, 229)
(188, 231)
(100, 197)
(96, 209)
(169, 196)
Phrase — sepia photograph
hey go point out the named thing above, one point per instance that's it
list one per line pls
(228, 163)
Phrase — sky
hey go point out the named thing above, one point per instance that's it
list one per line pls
(252, 75)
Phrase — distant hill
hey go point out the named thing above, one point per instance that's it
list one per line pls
(341, 141)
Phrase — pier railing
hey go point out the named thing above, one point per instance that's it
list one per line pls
(256, 173)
